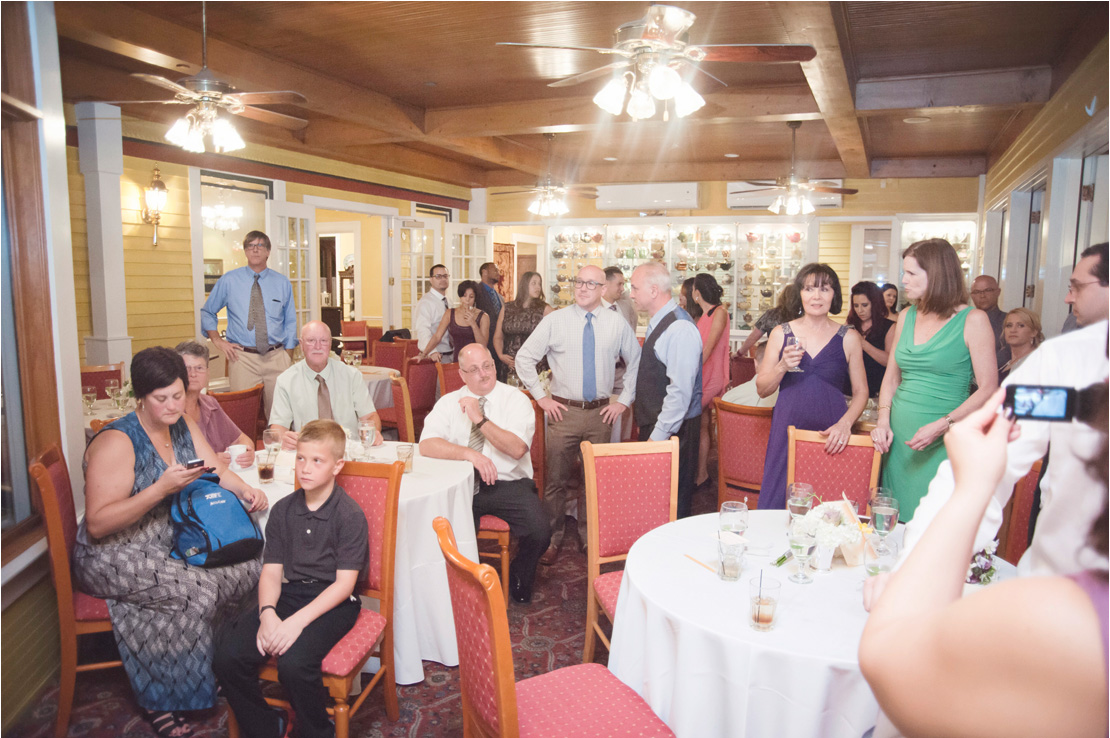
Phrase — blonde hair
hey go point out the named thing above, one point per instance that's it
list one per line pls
(1032, 319)
(325, 431)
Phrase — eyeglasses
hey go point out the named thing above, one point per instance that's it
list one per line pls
(1075, 287)
(255, 246)
(439, 275)
(316, 341)
(196, 369)
(487, 368)
(590, 285)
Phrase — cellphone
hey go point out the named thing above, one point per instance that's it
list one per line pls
(1037, 402)
(194, 463)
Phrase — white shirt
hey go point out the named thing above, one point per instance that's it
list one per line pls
(506, 407)
(296, 391)
(1070, 497)
(429, 312)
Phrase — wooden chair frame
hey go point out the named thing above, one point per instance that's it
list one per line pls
(339, 687)
(444, 372)
(70, 629)
(793, 435)
(235, 395)
(725, 482)
(403, 424)
(590, 453)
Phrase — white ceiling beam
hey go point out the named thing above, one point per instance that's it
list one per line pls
(1005, 87)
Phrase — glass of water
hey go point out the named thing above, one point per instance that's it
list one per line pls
(794, 341)
(799, 499)
(88, 397)
(801, 545)
(884, 516)
(366, 432)
(879, 555)
(734, 516)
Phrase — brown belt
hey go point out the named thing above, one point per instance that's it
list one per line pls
(581, 405)
(274, 347)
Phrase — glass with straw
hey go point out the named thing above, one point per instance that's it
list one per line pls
(764, 594)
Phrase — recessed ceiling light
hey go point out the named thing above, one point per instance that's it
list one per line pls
(609, 158)
(916, 119)
(732, 156)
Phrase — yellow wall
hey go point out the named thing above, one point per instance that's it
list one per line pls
(370, 256)
(834, 247)
(31, 650)
(78, 226)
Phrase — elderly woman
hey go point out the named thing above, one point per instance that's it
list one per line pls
(163, 610)
(1021, 331)
(219, 430)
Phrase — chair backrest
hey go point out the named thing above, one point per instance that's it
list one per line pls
(400, 415)
(740, 370)
(353, 329)
(486, 675)
(449, 377)
(373, 333)
(421, 377)
(242, 407)
(1013, 536)
(855, 470)
(631, 488)
(96, 376)
(742, 434)
(98, 423)
(49, 471)
(376, 487)
(390, 355)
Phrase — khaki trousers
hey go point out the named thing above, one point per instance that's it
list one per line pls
(251, 369)
(564, 465)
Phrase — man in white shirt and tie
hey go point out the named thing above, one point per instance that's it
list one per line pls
(491, 425)
(429, 313)
(613, 296)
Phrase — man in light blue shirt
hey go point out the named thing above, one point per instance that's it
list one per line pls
(668, 379)
(261, 320)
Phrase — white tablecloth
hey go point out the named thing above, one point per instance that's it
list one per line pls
(423, 625)
(681, 639)
(379, 384)
(103, 410)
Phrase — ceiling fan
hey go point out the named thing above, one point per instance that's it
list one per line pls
(550, 193)
(209, 95)
(654, 50)
(793, 186)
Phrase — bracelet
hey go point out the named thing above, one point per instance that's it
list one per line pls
(884, 407)
(950, 421)
(264, 608)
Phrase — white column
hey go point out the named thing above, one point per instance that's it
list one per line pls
(100, 137)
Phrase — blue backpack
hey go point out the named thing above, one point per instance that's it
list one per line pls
(210, 526)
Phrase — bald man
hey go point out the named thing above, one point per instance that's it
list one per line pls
(321, 386)
(582, 344)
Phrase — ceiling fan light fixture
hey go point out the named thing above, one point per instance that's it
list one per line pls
(687, 100)
(664, 82)
(548, 205)
(777, 205)
(807, 206)
(640, 103)
(610, 98)
(225, 137)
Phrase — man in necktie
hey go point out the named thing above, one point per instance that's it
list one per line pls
(261, 320)
(321, 387)
(489, 301)
(582, 344)
(491, 425)
(429, 313)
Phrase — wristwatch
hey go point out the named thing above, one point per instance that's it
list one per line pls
(481, 422)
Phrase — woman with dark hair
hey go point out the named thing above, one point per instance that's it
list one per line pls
(777, 315)
(466, 324)
(163, 610)
(940, 342)
(519, 318)
(686, 299)
(219, 430)
(713, 327)
(868, 316)
(890, 297)
(809, 375)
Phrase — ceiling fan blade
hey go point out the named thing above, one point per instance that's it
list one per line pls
(513, 192)
(831, 190)
(761, 189)
(144, 102)
(757, 52)
(288, 122)
(764, 183)
(154, 79)
(284, 97)
(599, 50)
(699, 70)
(592, 74)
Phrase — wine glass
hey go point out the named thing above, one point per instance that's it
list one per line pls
(109, 384)
(879, 555)
(734, 517)
(366, 431)
(271, 441)
(796, 341)
(88, 397)
(799, 500)
(801, 545)
(884, 516)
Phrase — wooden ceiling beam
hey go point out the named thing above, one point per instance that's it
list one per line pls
(998, 87)
(944, 111)
(949, 166)
(333, 133)
(827, 75)
(685, 172)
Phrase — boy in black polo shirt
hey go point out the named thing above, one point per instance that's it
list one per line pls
(317, 548)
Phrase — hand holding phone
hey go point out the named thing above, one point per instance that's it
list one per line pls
(1039, 402)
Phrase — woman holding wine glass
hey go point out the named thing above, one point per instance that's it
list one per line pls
(466, 324)
(809, 376)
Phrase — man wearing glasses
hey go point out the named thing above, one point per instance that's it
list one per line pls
(582, 344)
(429, 312)
(984, 293)
(261, 320)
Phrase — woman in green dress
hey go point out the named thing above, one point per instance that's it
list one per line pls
(940, 342)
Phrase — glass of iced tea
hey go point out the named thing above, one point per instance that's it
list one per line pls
(764, 593)
(265, 467)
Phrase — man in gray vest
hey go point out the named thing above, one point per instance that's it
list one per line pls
(668, 381)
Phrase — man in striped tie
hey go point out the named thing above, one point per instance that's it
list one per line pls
(491, 425)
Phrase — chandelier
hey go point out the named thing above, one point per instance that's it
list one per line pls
(220, 217)
(203, 122)
(793, 203)
(653, 79)
(549, 203)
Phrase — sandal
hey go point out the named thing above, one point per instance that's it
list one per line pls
(168, 724)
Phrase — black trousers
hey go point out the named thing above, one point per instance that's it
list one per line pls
(236, 661)
(518, 505)
(688, 434)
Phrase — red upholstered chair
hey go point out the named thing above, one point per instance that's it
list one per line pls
(740, 369)
(400, 415)
(420, 374)
(373, 333)
(96, 376)
(391, 355)
(449, 378)
(355, 336)
(855, 470)
(631, 488)
(493, 528)
(78, 613)
(1013, 536)
(742, 434)
(581, 701)
(243, 408)
(375, 487)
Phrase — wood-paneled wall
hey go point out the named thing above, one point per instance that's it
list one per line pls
(31, 650)
(79, 228)
(834, 247)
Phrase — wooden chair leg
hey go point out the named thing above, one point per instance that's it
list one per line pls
(342, 719)
(504, 544)
(232, 724)
(68, 685)
(591, 620)
(389, 681)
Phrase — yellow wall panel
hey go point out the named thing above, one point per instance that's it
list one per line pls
(31, 650)
(834, 249)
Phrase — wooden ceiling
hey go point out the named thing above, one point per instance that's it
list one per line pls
(421, 87)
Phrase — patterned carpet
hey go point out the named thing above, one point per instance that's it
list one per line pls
(546, 634)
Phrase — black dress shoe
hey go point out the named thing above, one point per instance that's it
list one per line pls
(518, 591)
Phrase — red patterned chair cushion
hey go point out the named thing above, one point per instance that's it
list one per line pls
(606, 587)
(87, 608)
(600, 705)
(356, 645)
(473, 634)
(493, 523)
(742, 446)
(633, 497)
(370, 493)
(830, 474)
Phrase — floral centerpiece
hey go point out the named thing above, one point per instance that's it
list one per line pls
(981, 570)
(545, 381)
(834, 528)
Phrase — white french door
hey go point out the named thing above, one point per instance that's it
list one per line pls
(293, 237)
(468, 246)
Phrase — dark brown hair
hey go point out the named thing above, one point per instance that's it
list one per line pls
(874, 295)
(522, 291)
(822, 274)
(946, 289)
(256, 236)
(157, 367)
(692, 307)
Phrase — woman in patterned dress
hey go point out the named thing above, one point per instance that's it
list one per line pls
(519, 318)
(163, 611)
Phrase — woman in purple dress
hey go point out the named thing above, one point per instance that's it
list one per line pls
(809, 377)
(466, 324)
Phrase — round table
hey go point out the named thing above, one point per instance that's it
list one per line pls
(681, 638)
(423, 625)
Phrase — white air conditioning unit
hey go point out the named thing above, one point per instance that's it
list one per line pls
(745, 199)
(658, 196)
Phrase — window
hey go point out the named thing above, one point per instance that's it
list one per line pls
(16, 491)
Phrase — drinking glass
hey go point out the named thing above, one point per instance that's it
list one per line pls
(271, 441)
(113, 395)
(356, 358)
(734, 516)
(109, 384)
(730, 558)
(265, 467)
(764, 593)
(884, 516)
(795, 341)
(405, 453)
(366, 434)
(879, 555)
(88, 397)
(801, 545)
(799, 499)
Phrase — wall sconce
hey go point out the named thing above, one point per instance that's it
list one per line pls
(154, 202)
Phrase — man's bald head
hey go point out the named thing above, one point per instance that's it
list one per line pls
(651, 287)
(316, 344)
(985, 292)
(477, 369)
(588, 286)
